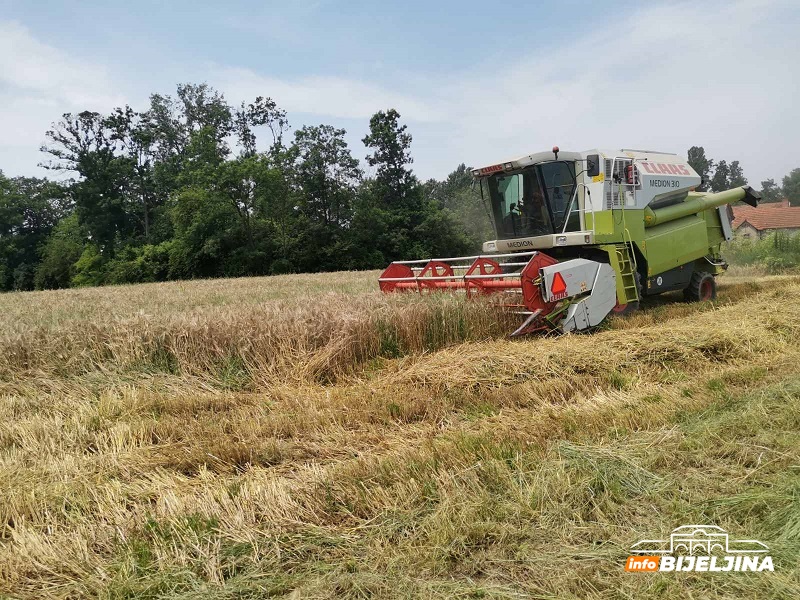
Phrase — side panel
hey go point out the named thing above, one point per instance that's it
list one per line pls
(716, 220)
(616, 226)
(569, 278)
(675, 243)
(592, 309)
(674, 279)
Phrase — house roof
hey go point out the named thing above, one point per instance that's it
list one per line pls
(767, 216)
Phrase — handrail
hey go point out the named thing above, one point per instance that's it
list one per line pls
(632, 188)
(578, 210)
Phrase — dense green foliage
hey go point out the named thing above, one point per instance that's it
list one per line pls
(791, 187)
(777, 252)
(30, 210)
(188, 188)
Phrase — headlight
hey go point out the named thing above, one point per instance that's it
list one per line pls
(561, 240)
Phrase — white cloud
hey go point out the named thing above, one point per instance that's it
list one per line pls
(37, 84)
(667, 77)
(28, 64)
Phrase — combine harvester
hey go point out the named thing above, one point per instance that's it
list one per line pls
(582, 235)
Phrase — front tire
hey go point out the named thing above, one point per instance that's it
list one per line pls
(702, 287)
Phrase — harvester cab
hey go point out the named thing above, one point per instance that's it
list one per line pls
(581, 235)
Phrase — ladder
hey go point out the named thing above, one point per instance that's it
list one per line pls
(627, 271)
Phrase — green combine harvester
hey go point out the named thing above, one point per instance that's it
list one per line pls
(581, 235)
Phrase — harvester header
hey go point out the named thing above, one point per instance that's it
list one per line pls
(580, 235)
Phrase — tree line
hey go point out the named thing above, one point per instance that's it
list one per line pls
(193, 187)
(181, 190)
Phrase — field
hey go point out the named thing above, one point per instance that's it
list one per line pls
(305, 436)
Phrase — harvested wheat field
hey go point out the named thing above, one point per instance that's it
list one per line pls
(308, 437)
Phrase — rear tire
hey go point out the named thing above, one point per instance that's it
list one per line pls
(702, 287)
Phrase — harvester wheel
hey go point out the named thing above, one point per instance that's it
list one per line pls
(701, 288)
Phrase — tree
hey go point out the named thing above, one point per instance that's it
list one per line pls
(29, 210)
(442, 233)
(390, 144)
(791, 187)
(770, 192)
(400, 222)
(201, 221)
(211, 212)
(169, 137)
(326, 172)
(719, 182)
(190, 134)
(85, 144)
(262, 112)
(393, 200)
(736, 176)
(704, 166)
(8, 219)
(325, 177)
(134, 139)
(202, 107)
(60, 254)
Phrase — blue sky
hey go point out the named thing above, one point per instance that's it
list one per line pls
(475, 82)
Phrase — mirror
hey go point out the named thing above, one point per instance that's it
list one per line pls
(593, 165)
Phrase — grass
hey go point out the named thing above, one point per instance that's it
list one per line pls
(776, 252)
(302, 441)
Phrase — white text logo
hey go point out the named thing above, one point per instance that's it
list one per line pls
(699, 548)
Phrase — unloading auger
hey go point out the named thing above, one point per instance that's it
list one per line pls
(615, 225)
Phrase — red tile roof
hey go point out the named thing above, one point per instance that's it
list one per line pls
(774, 215)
